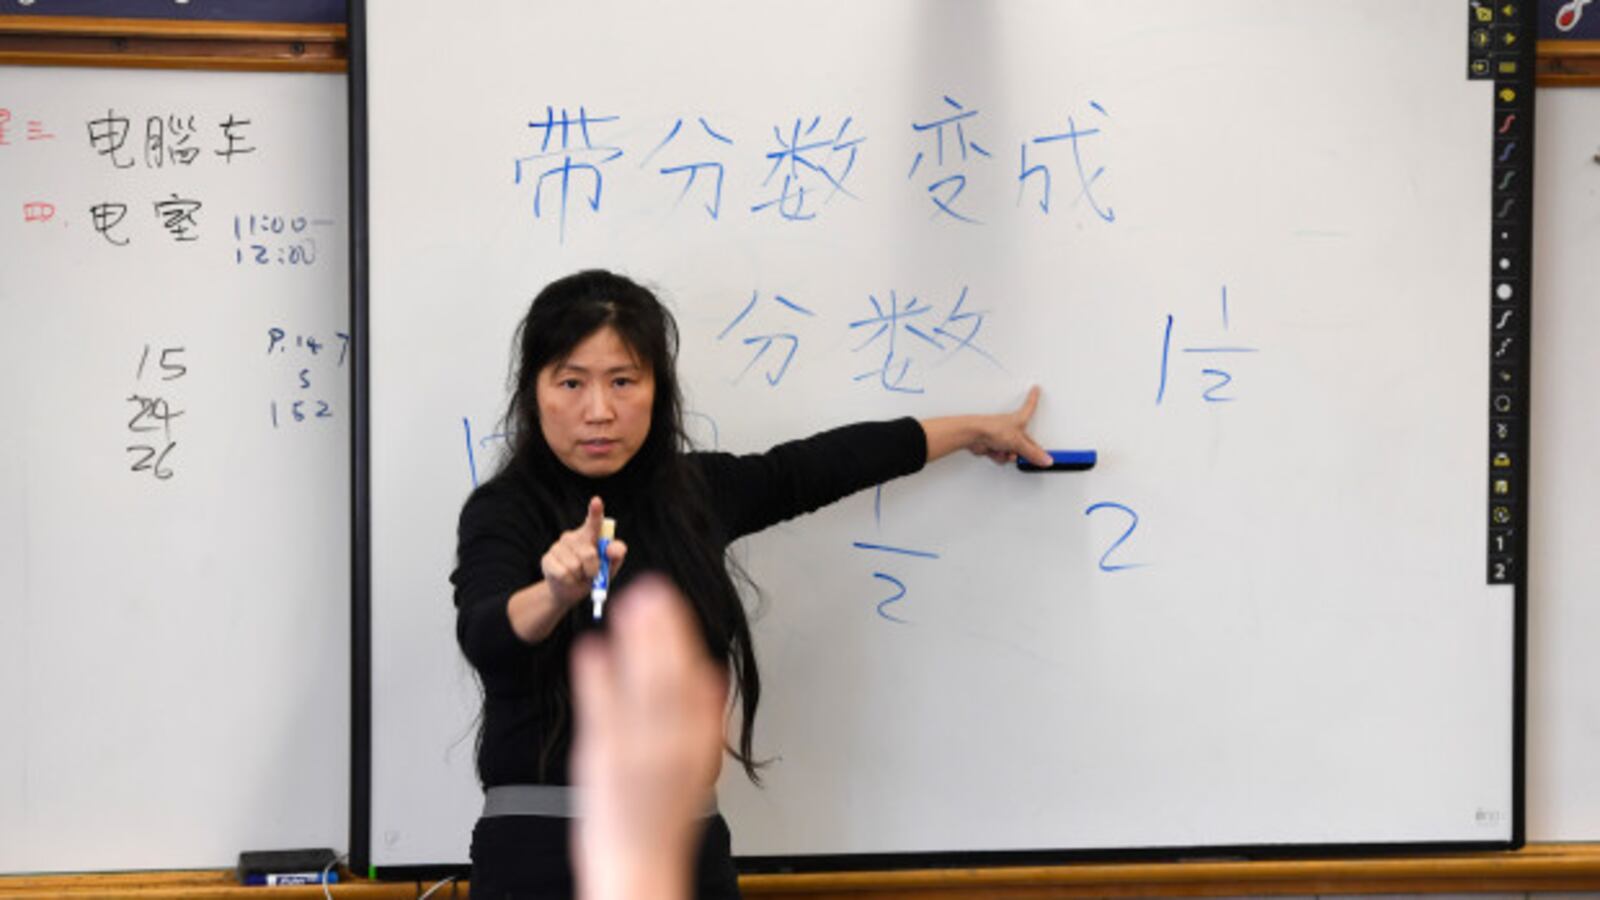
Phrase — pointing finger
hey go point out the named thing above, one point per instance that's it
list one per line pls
(1029, 405)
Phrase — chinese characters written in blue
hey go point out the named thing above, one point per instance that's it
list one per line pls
(691, 170)
(812, 161)
(787, 341)
(902, 331)
(567, 149)
(1076, 136)
(945, 192)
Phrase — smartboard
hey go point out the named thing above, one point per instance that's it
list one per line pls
(1246, 249)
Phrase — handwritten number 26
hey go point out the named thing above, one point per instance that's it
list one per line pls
(1106, 565)
(152, 461)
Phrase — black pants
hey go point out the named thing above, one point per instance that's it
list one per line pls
(529, 858)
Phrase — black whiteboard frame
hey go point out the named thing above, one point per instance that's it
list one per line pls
(360, 473)
(361, 861)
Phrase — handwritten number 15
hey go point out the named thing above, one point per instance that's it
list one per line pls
(1106, 565)
(175, 369)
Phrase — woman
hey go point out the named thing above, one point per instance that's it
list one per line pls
(596, 429)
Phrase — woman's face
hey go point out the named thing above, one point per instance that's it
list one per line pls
(594, 406)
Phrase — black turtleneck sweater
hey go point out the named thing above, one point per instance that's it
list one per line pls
(503, 534)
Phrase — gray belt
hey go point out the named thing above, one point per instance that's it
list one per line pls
(556, 801)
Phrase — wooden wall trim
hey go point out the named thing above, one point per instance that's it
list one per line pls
(1568, 63)
(173, 44)
(1537, 868)
(172, 28)
(1547, 867)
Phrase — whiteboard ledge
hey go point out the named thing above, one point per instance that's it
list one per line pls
(1535, 868)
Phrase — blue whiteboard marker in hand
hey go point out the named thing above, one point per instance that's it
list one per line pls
(602, 579)
(1062, 461)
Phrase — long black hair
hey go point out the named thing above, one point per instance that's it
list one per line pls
(676, 513)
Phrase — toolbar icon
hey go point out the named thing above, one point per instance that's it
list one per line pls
(1500, 570)
(1500, 540)
(1569, 14)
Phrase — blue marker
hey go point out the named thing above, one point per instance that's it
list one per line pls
(1062, 461)
(602, 579)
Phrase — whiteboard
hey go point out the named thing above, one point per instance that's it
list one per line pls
(174, 565)
(1258, 289)
(1563, 571)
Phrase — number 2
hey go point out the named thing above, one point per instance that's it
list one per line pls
(1133, 522)
(883, 605)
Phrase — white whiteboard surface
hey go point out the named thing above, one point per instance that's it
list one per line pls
(1564, 570)
(174, 651)
(1302, 650)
